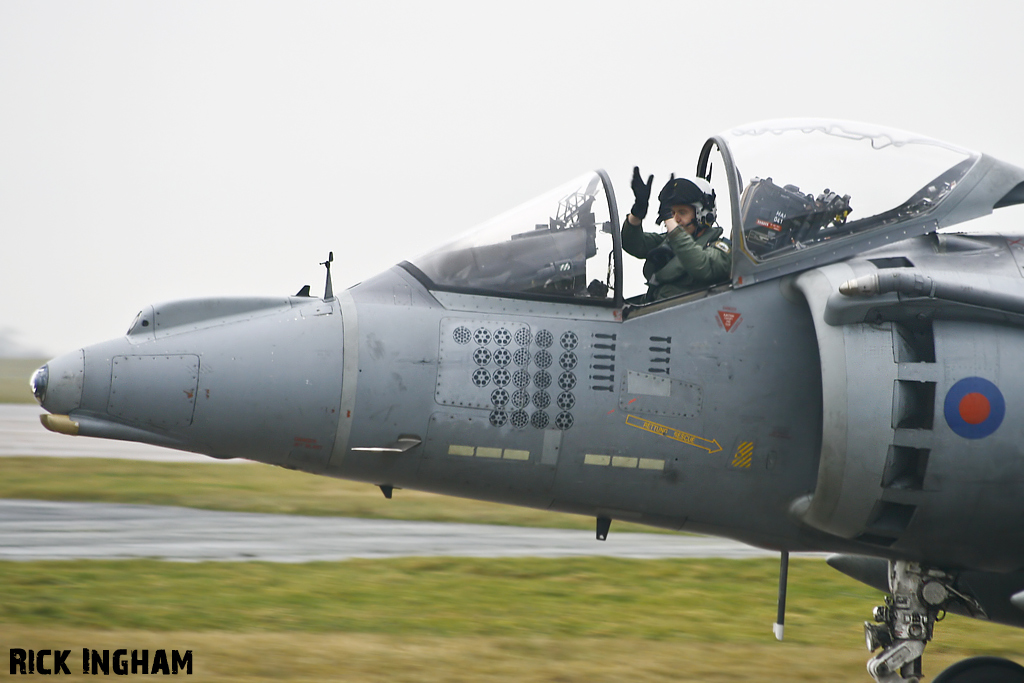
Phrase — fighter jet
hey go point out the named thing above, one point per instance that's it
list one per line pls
(856, 386)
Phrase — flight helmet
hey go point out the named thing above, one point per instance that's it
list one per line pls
(696, 192)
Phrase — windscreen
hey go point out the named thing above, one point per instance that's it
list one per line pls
(559, 244)
(810, 183)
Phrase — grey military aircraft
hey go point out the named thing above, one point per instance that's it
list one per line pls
(856, 387)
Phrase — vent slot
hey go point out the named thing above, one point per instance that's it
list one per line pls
(890, 519)
(913, 405)
(892, 262)
(905, 468)
(875, 539)
(913, 344)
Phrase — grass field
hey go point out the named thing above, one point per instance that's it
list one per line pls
(421, 620)
(14, 376)
(254, 488)
(452, 619)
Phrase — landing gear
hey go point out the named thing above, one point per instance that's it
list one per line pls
(905, 623)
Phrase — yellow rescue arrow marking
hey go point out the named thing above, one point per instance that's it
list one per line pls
(711, 446)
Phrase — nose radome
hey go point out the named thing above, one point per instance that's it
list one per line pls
(58, 384)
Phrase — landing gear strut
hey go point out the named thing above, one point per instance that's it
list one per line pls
(903, 626)
(905, 623)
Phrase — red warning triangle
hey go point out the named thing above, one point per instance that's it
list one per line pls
(728, 318)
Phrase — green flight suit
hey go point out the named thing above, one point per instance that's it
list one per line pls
(685, 264)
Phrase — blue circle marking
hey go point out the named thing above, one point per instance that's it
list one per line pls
(952, 408)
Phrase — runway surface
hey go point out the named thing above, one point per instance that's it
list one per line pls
(41, 530)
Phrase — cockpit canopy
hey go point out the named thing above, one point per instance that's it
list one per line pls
(793, 194)
(803, 187)
(560, 245)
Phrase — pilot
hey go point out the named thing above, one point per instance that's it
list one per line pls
(692, 253)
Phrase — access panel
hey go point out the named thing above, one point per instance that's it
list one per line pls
(158, 390)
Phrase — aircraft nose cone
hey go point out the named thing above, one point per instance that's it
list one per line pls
(58, 384)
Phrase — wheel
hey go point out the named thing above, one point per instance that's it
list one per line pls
(982, 670)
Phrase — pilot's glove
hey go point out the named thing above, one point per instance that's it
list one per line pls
(657, 259)
(641, 193)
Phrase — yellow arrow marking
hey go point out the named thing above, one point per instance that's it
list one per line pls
(711, 446)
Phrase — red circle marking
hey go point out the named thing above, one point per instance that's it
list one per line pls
(975, 408)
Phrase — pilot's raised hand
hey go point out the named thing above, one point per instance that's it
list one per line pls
(665, 210)
(641, 193)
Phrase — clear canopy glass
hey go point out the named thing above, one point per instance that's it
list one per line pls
(560, 244)
(800, 192)
(804, 183)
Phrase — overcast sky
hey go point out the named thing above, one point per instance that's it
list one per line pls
(152, 151)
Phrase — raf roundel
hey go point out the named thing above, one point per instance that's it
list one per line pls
(974, 408)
